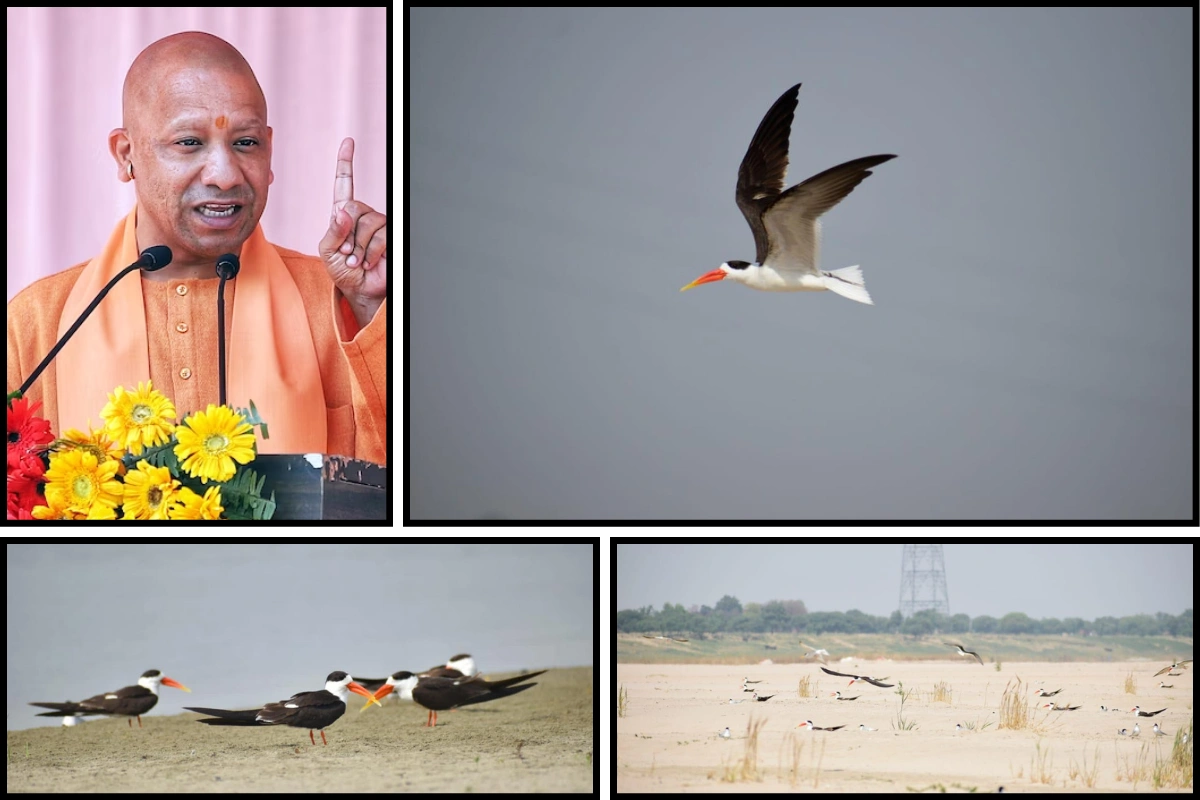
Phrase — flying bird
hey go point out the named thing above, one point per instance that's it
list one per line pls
(962, 651)
(1176, 665)
(785, 224)
(313, 710)
(128, 702)
(856, 678)
(1137, 710)
(809, 724)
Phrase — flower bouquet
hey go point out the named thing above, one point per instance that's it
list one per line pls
(141, 464)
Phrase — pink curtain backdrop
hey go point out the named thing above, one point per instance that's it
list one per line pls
(323, 71)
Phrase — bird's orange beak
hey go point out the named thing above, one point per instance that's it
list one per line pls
(382, 691)
(359, 689)
(708, 277)
(174, 684)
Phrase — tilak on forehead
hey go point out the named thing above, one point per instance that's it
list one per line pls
(180, 51)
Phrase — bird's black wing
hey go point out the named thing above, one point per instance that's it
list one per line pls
(874, 682)
(760, 177)
(839, 674)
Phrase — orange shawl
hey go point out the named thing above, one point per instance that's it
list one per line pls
(270, 358)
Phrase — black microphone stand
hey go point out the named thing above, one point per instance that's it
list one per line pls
(228, 267)
(152, 258)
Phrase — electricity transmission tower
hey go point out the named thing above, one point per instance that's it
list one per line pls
(923, 580)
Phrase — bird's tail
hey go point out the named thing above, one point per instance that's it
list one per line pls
(224, 717)
(848, 282)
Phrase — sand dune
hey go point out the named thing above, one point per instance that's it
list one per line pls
(668, 739)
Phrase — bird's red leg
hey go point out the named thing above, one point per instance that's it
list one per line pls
(435, 719)
(323, 737)
(127, 719)
(139, 721)
(310, 736)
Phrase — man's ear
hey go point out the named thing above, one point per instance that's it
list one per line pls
(271, 143)
(122, 152)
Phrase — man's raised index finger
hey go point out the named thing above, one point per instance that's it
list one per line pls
(343, 179)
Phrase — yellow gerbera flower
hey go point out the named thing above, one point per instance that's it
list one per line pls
(95, 442)
(211, 440)
(149, 492)
(77, 481)
(136, 420)
(190, 505)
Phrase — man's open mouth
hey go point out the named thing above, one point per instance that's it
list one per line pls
(218, 210)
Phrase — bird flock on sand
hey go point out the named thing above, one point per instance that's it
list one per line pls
(751, 687)
(443, 687)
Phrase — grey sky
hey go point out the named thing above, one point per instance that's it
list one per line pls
(1042, 580)
(1029, 253)
(246, 624)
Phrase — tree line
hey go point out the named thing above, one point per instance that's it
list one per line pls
(790, 616)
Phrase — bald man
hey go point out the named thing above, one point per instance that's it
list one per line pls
(307, 336)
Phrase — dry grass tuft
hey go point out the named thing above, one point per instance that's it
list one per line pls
(622, 701)
(805, 687)
(942, 692)
(1084, 772)
(1175, 772)
(1041, 766)
(1130, 684)
(1015, 712)
(747, 769)
(1137, 770)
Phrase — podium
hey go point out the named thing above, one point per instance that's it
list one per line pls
(321, 487)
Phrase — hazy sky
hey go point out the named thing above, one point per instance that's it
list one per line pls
(1042, 580)
(246, 624)
(1029, 252)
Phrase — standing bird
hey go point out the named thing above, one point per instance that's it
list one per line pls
(733, 702)
(808, 723)
(962, 651)
(762, 699)
(1165, 685)
(1123, 732)
(312, 710)
(129, 702)
(1044, 693)
(440, 694)
(1137, 730)
(787, 233)
(725, 733)
(1137, 711)
(747, 680)
(865, 729)
(838, 695)
(1159, 731)
(1067, 707)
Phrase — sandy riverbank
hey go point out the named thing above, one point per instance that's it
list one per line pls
(668, 740)
(536, 741)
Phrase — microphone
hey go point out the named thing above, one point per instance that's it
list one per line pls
(152, 259)
(228, 267)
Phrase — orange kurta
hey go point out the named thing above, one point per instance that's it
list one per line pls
(181, 326)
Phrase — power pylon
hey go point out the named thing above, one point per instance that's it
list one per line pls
(923, 580)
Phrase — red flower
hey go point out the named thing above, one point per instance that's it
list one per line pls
(27, 435)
